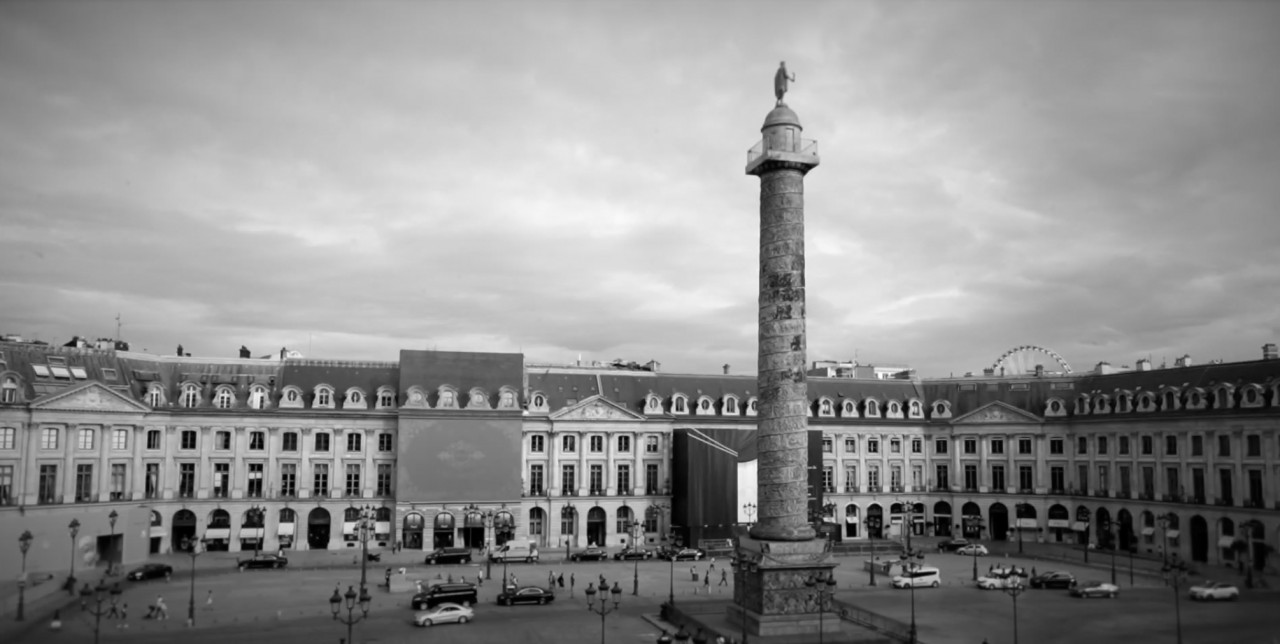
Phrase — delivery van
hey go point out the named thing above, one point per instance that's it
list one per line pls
(515, 550)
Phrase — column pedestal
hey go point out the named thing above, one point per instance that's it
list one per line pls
(769, 590)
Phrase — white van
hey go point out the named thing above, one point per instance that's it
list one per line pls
(921, 577)
(517, 550)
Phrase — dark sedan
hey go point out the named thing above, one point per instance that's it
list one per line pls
(150, 571)
(687, 554)
(1053, 579)
(952, 545)
(590, 554)
(634, 553)
(263, 561)
(526, 595)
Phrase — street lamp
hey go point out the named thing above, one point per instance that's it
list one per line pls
(749, 509)
(1087, 526)
(74, 528)
(1111, 531)
(1019, 510)
(1013, 591)
(98, 611)
(1249, 527)
(825, 587)
(192, 546)
(256, 516)
(24, 544)
(1165, 520)
(111, 565)
(604, 602)
(979, 524)
(362, 525)
(635, 579)
(910, 561)
(488, 558)
(336, 601)
(873, 525)
(1177, 571)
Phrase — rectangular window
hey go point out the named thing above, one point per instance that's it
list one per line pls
(1026, 479)
(1225, 485)
(624, 479)
(1197, 445)
(119, 481)
(222, 441)
(997, 478)
(86, 439)
(1253, 445)
(568, 444)
(1149, 482)
(917, 446)
(895, 446)
(1197, 484)
(624, 444)
(651, 479)
(322, 442)
(255, 481)
(1148, 446)
(971, 478)
(1057, 480)
(187, 480)
(354, 441)
(970, 446)
(873, 446)
(942, 477)
(1255, 488)
(153, 439)
(536, 480)
(568, 482)
(535, 525)
(1082, 445)
(6, 485)
(1124, 445)
(597, 479)
(257, 441)
(289, 442)
(188, 439)
(1170, 445)
(1103, 475)
(828, 445)
(1082, 479)
(850, 478)
(384, 443)
(940, 446)
(84, 482)
(873, 478)
(1102, 445)
(1224, 445)
(120, 439)
(288, 480)
(1126, 485)
(1173, 486)
(1024, 445)
(320, 480)
(1056, 446)
(384, 479)
(221, 480)
(48, 485)
(152, 481)
(850, 446)
(352, 488)
(597, 444)
(997, 446)
(651, 444)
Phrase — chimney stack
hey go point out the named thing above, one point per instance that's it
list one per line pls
(1144, 364)
(726, 369)
(1184, 361)
(1269, 351)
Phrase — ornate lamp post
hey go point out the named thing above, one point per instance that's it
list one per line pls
(24, 544)
(824, 587)
(99, 594)
(1112, 531)
(604, 602)
(111, 519)
(336, 603)
(1018, 512)
(74, 528)
(192, 546)
(488, 559)
(749, 509)
(1249, 527)
(910, 561)
(1165, 520)
(635, 578)
(256, 514)
(1177, 571)
(1013, 591)
(1087, 526)
(980, 524)
(873, 525)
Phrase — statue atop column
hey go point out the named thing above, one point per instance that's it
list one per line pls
(780, 81)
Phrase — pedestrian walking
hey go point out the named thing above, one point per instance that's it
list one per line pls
(479, 579)
(162, 611)
(551, 579)
(388, 578)
(124, 616)
(693, 572)
(706, 581)
(724, 577)
(560, 579)
(208, 602)
(113, 613)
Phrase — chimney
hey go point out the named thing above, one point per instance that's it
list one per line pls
(1039, 371)
(1184, 361)
(244, 352)
(726, 369)
(1144, 364)
(653, 365)
(1269, 351)
(180, 354)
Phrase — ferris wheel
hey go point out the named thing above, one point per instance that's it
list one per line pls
(1023, 360)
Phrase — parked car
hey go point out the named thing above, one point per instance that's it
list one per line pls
(922, 577)
(1213, 590)
(1003, 570)
(633, 553)
(526, 595)
(463, 594)
(150, 571)
(1053, 579)
(997, 582)
(449, 555)
(447, 613)
(1094, 589)
(686, 554)
(952, 545)
(262, 561)
(972, 550)
(590, 554)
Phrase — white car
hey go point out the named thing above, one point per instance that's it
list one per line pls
(1215, 590)
(998, 583)
(922, 577)
(444, 614)
(1004, 570)
(973, 549)
(1095, 589)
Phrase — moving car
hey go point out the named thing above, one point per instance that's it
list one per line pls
(150, 571)
(590, 554)
(1053, 579)
(515, 550)
(634, 553)
(449, 555)
(686, 554)
(952, 545)
(973, 549)
(262, 561)
(997, 582)
(450, 593)
(1094, 589)
(526, 595)
(922, 577)
(1003, 570)
(447, 613)
(1211, 590)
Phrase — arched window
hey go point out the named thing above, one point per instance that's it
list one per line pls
(9, 391)
(537, 518)
(224, 398)
(155, 395)
(257, 397)
(190, 396)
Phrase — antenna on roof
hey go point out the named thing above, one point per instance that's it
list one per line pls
(118, 325)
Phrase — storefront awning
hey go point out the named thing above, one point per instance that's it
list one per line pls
(1226, 542)
(1079, 526)
(1173, 534)
(252, 533)
(284, 529)
(158, 531)
(217, 533)
(1148, 531)
(1059, 523)
(1027, 523)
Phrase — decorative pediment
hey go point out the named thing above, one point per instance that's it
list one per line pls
(596, 407)
(90, 396)
(996, 412)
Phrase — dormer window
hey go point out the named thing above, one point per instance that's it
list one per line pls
(190, 396)
(652, 404)
(872, 408)
(1170, 399)
(1082, 405)
(538, 402)
(1223, 397)
(942, 408)
(9, 390)
(1251, 396)
(446, 398)
(913, 409)
(1055, 407)
(354, 397)
(323, 397)
(848, 409)
(1146, 402)
(223, 399)
(730, 406)
(292, 397)
(678, 404)
(507, 398)
(1100, 405)
(258, 397)
(155, 395)
(753, 406)
(893, 409)
(477, 398)
(386, 398)
(825, 408)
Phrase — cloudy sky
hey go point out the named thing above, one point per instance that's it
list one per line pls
(566, 179)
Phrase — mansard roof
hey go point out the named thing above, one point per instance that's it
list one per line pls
(462, 370)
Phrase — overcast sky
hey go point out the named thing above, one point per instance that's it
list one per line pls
(566, 179)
